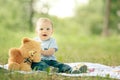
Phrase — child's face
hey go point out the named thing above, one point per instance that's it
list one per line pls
(44, 31)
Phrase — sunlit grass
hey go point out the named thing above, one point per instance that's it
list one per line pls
(72, 48)
(45, 76)
(89, 49)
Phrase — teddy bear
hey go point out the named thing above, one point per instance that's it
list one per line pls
(21, 58)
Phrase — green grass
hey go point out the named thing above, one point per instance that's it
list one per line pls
(72, 48)
(89, 49)
(45, 76)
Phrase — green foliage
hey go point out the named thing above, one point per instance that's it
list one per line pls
(14, 15)
(114, 18)
(91, 16)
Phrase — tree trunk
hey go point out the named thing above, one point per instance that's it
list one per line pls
(105, 31)
(31, 15)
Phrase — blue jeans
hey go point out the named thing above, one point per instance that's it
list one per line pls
(44, 64)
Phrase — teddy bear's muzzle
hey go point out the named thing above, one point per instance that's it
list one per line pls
(29, 59)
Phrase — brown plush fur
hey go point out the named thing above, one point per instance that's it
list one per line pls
(21, 58)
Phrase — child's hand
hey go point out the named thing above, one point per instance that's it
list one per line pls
(42, 51)
(48, 52)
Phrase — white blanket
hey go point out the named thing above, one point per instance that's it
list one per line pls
(94, 69)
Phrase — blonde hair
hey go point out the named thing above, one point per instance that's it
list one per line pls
(44, 20)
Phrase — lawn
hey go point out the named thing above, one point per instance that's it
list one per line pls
(72, 48)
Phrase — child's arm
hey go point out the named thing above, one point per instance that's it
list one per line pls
(48, 52)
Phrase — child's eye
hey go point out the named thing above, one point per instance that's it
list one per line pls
(48, 28)
(41, 28)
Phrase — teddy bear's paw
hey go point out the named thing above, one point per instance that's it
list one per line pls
(14, 66)
(37, 60)
(25, 67)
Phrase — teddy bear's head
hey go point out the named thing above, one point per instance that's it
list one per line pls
(30, 50)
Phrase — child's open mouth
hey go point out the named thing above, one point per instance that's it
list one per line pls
(44, 34)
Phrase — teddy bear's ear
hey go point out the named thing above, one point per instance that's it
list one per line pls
(26, 40)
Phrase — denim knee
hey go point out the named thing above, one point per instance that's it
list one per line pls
(39, 66)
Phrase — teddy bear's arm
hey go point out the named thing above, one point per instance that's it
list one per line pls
(48, 52)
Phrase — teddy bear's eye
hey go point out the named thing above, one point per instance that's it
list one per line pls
(32, 54)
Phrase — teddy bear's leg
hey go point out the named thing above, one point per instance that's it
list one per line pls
(25, 67)
(13, 66)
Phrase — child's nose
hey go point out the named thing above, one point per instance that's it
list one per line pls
(44, 30)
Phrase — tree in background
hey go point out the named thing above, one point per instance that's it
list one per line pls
(105, 31)
(19, 15)
(91, 16)
(115, 16)
(13, 15)
(100, 16)
(111, 23)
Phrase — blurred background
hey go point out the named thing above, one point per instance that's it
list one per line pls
(86, 30)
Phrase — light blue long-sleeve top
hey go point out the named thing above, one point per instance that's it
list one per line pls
(46, 44)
